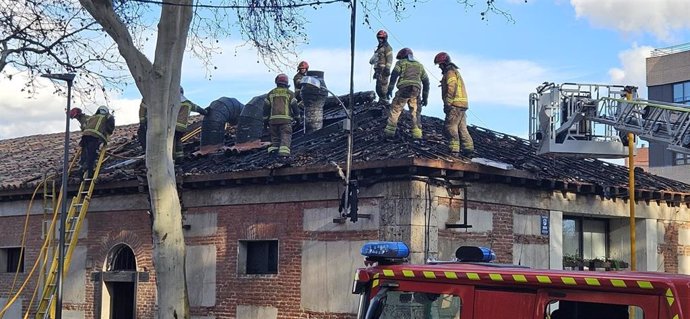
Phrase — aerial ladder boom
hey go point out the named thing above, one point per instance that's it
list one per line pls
(592, 120)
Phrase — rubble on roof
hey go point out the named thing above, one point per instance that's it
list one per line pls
(26, 159)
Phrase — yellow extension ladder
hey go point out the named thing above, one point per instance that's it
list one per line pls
(75, 217)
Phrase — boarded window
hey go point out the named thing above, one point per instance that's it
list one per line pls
(258, 257)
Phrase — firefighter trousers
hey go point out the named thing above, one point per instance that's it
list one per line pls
(89, 153)
(382, 85)
(141, 135)
(408, 95)
(456, 128)
(178, 147)
(281, 138)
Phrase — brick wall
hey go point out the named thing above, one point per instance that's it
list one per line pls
(502, 236)
(272, 221)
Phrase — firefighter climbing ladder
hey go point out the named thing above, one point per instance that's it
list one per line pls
(582, 119)
(75, 217)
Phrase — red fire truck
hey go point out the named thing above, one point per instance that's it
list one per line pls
(472, 287)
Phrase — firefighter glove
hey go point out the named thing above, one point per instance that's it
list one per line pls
(377, 72)
(204, 112)
(389, 95)
(425, 101)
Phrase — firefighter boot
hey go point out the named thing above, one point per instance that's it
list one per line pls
(454, 146)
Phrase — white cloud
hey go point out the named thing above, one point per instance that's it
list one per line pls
(44, 112)
(489, 82)
(633, 68)
(659, 17)
(497, 82)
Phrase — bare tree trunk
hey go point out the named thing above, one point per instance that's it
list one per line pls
(159, 84)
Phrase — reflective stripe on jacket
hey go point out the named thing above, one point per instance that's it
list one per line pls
(411, 73)
(279, 101)
(453, 88)
(186, 107)
(384, 56)
(100, 125)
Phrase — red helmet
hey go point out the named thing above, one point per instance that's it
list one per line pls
(74, 112)
(403, 53)
(382, 34)
(282, 79)
(303, 65)
(442, 58)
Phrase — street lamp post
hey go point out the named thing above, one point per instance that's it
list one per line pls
(69, 78)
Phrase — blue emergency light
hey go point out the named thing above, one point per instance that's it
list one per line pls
(474, 254)
(385, 249)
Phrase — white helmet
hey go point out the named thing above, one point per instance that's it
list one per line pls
(102, 110)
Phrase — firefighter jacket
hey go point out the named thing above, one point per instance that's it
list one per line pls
(98, 125)
(280, 106)
(186, 107)
(383, 58)
(453, 88)
(408, 72)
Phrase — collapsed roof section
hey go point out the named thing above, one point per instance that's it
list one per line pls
(317, 156)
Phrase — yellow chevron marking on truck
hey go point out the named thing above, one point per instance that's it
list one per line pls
(408, 273)
(450, 275)
(519, 278)
(429, 275)
(645, 284)
(592, 281)
(569, 280)
(472, 276)
(388, 273)
(496, 277)
(618, 283)
(669, 297)
(544, 279)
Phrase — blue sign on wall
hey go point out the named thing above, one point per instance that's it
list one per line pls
(544, 225)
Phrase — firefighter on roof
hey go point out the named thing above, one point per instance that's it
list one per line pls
(186, 107)
(302, 69)
(96, 130)
(280, 108)
(382, 60)
(455, 106)
(411, 79)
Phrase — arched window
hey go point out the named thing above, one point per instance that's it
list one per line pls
(122, 258)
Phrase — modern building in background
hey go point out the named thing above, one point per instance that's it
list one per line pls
(668, 80)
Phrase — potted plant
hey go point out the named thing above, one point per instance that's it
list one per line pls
(617, 264)
(572, 262)
(600, 264)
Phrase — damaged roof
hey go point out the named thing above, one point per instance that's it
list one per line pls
(319, 154)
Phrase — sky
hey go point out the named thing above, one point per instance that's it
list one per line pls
(502, 62)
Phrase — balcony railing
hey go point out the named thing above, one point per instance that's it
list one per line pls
(671, 50)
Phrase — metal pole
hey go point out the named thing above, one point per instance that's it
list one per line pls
(631, 191)
(349, 112)
(67, 77)
(63, 213)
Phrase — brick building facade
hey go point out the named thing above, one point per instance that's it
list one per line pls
(262, 241)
